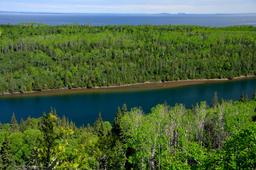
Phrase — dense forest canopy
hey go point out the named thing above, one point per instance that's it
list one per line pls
(38, 57)
(219, 137)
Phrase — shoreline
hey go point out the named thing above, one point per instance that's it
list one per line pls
(124, 88)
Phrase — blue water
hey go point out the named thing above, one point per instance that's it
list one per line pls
(84, 108)
(129, 19)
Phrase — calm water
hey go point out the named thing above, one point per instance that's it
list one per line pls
(126, 19)
(84, 108)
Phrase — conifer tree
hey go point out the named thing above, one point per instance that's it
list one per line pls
(14, 123)
(215, 99)
(99, 125)
(47, 125)
(116, 126)
(5, 155)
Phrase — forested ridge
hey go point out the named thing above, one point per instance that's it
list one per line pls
(38, 57)
(219, 137)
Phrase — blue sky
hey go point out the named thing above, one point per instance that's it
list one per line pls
(130, 6)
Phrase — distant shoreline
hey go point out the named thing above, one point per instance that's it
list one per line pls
(134, 19)
(118, 13)
(123, 88)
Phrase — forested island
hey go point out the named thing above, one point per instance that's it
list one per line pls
(222, 136)
(36, 57)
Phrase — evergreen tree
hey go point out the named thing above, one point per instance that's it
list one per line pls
(116, 125)
(22, 124)
(99, 126)
(240, 150)
(34, 160)
(45, 56)
(14, 123)
(64, 121)
(104, 141)
(215, 99)
(47, 127)
(243, 97)
(5, 155)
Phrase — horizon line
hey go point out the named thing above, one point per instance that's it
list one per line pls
(143, 13)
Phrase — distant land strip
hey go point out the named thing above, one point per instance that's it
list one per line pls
(148, 85)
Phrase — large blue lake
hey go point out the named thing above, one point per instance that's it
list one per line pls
(129, 19)
(84, 108)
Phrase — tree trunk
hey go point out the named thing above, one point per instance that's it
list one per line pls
(152, 165)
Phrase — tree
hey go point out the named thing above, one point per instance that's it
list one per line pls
(48, 128)
(215, 99)
(221, 137)
(104, 56)
(243, 97)
(14, 123)
(5, 155)
(117, 156)
(240, 150)
(103, 130)
(214, 133)
(116, 125)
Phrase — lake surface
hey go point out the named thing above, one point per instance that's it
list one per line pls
(129, 19)
(84, 108)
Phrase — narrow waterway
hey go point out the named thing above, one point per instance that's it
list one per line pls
(84, 108)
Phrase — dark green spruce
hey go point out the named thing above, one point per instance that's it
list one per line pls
(39, 57)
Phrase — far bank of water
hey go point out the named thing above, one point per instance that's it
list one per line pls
(214, 20)
(84, 108)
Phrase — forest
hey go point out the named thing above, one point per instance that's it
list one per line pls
(36, 57)
(221, 136)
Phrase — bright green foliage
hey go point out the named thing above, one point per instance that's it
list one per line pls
(50, 136)
(219, 137)
(38, 57)
(52, 145)
(240, 150)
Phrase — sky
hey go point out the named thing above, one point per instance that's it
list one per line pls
(130, 6)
